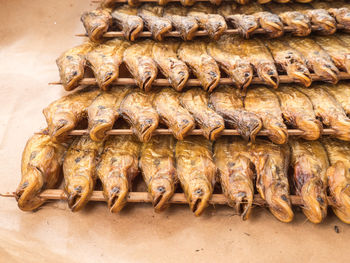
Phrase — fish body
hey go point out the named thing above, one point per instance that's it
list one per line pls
(97, 22)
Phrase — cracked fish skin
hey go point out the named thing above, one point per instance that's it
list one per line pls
(316, 58)
(340, 92)
(104, 111)
(105, 60)
(166, 102)
(186, 25)
(127, 20)
(204, 67)
(155, 23)
(96, 23)
(264, 103)
(329, 111)
(117, 169)
(64, 114)
(175, 70)
(337, 50)
(290, 61)
(232, 159)
(79, 171)
(214, 24)
(136, 108)
(271, 162)
(196, 102)
(338, 177)
(71, 65)
(41, 168)
(139, 61)
(157, 163)
(227, 102)
(229, 58)
(196, 171)
(298, 111)
(310, 163)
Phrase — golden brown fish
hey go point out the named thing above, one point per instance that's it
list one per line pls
(64, 114)
(127, 20)
(79, 171)
(298, 111)
(345, 38)
(310, 163)
(230, 59)
(71, 65)
(41, 169)
(104, 111)
(232, 159)
(329, 111)
(105, 60)
(138, 59)
(290, 61)
(341, 93)
(97, 22)
(227, 102)
(196, 102)
(204, 67)
(176, 71)
(157, 163)
(271, 163)
(196, 171)
(152, 16)
(166, 101)
(317, 60)
(339, 177)
(117, 169)
(264, 103)
(137, 109)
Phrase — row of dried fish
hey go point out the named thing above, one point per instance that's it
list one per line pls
(240, 59)
(320, 17)
(302, 108)
(197, 164)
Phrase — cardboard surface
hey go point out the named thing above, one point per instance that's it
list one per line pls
(33, 34)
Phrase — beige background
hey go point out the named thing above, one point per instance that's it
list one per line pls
(32, 34)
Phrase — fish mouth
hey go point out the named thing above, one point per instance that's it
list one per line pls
(161, 191)
(199, 197)
(273, 29)
(179, 78)
(342, 129)
(98, 132)
(302, 76)
(249, 126)
(117, 198)
(280, 206)
(327, 27)
(62, 123)
(326, 70)
(216, 28)
(215, 132)
(78, 190)
(301, 28)
(110, 76)
(242, 75)
(241, 202)
(312, 128)
(158, 35)
(277, 132)
(147, 128)
(212, 83)
(97, 32)
(132, 33)
(185, 128)
(268, 73)
(147, 79)
(246, 24)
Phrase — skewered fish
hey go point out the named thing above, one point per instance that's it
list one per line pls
(232, 159)
(64, 114)
(41, 169)
(339, 177)
(317, 60)
(337, 50)
(176, 71)
(204, 67)
(71, 65)
(105, 60)
(104, 111)
(157, 163)
(341, 93)
(155, 23)
(228, 103)
(214, 24)
(186, 25)
(167, 104)
(79, 171)
(229, 58)
(196, 171)
(196, 102)
(97, 22)
(264, 103)
(138, 59)
(329, 111)
(127, 20)
(290, 61)
(271, 163)
(298, 112)
(137, 109)
(117, 169)
(310, 162)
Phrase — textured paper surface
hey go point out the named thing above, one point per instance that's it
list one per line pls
(33, 33)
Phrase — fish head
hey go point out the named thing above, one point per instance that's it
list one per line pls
(298, 71)
(267, 72)
(147, 72)
(179, 74)
(326, 69)
(99, 127)
(61, 124)
(242, 74)
(198, 193)
(249, 125)
(209, 76)
(106, 75)
(132, 27)
(79, 190)
(146, 126)
(116, 190)
(277, 131)
(161, 190)
(312, 127)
